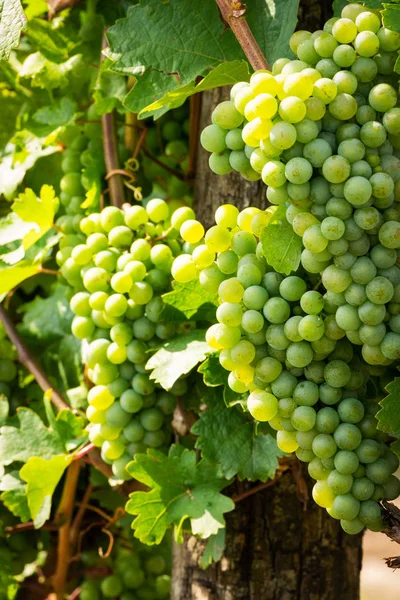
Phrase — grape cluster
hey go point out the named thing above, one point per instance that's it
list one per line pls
(323, 133)
(293, 366)
(137, 573)
(84, 151)
(120, 272)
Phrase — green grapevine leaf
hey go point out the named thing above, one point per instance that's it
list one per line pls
(391, 16)
(282, 247)
(337, 7)
(213, 373)
(15, 163)
(227, 436)
(109, 90)
(214, 549)
(31, 438)
(47, 319)
(55, 116)
(37, 210)
(12, 22)
(16, 501)
(51, 43)
(272, 22)
(42, 477)
(46, 74)
(177, 357)
(187, 301)
(227, 73)
(389, 415)
(180, 488)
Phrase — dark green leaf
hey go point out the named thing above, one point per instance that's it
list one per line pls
(17, 503)
(110, 89)
(214, 549)
(389, 415)
(180, 488)
(272, 23)
(227, 436)
(213, 373)
(49, 318)
(391, 17)
(282, 247)
(187, 301)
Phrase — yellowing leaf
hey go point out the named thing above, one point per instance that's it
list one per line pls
(36, 210)
(12, 276)
(42, 477)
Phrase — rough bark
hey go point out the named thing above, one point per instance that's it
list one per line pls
(275, 550)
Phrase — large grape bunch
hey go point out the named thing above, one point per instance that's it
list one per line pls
(120, 271)
(293, 367)
(137, 572)
(323, 133)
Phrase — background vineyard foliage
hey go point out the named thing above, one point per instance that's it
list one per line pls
(120, 307)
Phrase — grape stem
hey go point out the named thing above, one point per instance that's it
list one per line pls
(233, 13)
(166, 168)
(29, 362)
(111, 158)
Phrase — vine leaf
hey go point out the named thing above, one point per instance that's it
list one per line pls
(12, 22)
(227, 436)
(20, 156)
(214, 549)
(17, 503)
(178, 357)
(187, 301)
(194, 41)
(33, 438)
(42, 476)
(391, 16)
(224, 74)
(281, 245)
(213, 374)
(47, 319)
(180, 488)
(37, 210)
(389, 415)
(109, 90)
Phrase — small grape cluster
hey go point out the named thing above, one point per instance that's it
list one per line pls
(84, 150)
(323, 133)
(120, 272)
(137, 573)
(289, 359)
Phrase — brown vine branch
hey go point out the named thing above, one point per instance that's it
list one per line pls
(64, 512)
(29, 362)
(233, 13)
(111, 158)
(77, 522)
